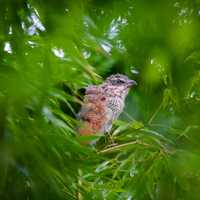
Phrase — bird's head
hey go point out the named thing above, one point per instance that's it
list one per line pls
(119, 84)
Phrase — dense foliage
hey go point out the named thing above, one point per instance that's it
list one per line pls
(51, 50)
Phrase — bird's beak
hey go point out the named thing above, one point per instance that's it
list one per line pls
(131, 83)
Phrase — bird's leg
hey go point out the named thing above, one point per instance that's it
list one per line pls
(110, 139)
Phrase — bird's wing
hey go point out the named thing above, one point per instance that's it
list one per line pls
(86, 107)
(93, 111)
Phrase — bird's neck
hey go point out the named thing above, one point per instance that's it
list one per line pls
(114, 91)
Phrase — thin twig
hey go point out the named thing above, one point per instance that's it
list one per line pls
(154, 114)
(118, 147)
(187, 129)
(153, 132)
(129, 116)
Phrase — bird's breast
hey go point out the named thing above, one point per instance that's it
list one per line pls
(116, 104)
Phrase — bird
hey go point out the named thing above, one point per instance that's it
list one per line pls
(103, 104)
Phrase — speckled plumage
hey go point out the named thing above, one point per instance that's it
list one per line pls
(103, 104)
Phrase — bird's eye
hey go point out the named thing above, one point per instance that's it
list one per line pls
(119, 81)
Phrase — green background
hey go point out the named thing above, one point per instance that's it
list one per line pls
(51, 50)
